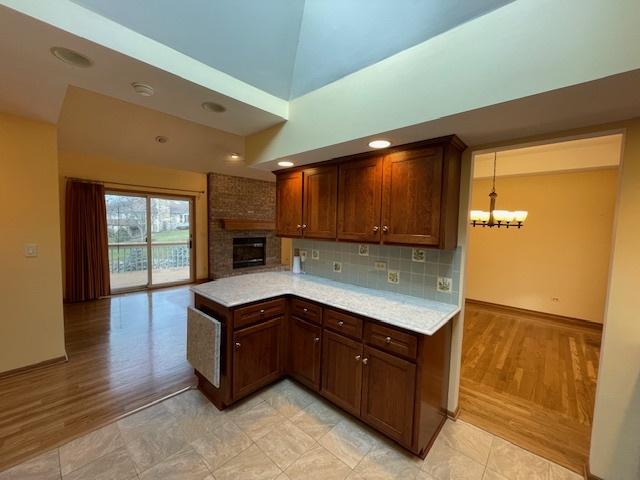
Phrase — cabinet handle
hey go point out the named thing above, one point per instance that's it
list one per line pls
(387, 340)
(237, 346)
(358, 358)
(340, 323)
(385, 229)
(305, 310)
(365, 361)
(376, 228)
(317, 339)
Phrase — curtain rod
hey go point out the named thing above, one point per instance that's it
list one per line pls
(87, 180)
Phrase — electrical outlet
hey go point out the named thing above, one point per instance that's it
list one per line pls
(380, 266)
(337, 267)
(393, 276)
(444, 285)
(315, 254)
(363, 250)
(30, 250)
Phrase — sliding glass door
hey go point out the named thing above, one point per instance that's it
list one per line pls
(150, 240)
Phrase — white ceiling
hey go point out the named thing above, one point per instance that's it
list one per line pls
(99, 125)
(290, 47)
(33, 82)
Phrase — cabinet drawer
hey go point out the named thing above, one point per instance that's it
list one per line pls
(391, 339)
(306, 310)
(343, 323)
(244, 316)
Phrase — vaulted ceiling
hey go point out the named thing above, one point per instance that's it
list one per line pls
(290, 47)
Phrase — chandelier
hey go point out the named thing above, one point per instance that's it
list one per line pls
(497, 218)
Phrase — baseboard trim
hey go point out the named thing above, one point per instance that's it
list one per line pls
(34, 366)
(545, 315)
(455, 414)
(587, 473)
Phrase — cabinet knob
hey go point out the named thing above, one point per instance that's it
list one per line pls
(299, 226)
(387, 340)
(385, 228)
(357, 358)
(317, 339)
(237, 346)
(304, 225)
(365, 361)
(305, 310)
(340, 323)
(262, 310)
(376, 228)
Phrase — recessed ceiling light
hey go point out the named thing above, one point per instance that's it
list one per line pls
(285, 163)
(213, 107)
(234, 156)
(162, 139)
(142, 89)
(71, 57)
(379, 143)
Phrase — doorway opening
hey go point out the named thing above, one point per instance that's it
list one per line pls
(150, 240)
(535, 296)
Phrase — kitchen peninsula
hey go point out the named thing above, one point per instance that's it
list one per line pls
(381, 356)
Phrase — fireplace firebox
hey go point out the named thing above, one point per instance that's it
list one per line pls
(249, 252)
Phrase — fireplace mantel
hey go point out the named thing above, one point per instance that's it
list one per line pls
(238, 224)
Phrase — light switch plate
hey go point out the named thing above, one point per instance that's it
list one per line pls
(380, 266)
(315, 254)
(444, 285)
(393, 276)
(30, 250)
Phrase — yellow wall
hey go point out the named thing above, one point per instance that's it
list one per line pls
(562, 252)
(31, 322)
(109, 170)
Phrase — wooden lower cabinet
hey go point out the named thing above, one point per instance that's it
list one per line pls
(342, 371)
(257, 356)
(388, 394)
(304, 352)
(394, 380)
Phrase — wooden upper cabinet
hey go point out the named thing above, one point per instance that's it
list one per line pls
(289, 204)
(359, 199)
(412, 195)
(319, 205)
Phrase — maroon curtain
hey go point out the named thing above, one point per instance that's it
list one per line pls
(87, 254)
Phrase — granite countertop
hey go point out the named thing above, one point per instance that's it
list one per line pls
(411, 313)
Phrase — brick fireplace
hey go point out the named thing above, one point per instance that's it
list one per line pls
(234, 201)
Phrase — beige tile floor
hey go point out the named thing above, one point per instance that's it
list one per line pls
(283, 433)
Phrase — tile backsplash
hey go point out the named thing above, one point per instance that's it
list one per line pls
(426, 273)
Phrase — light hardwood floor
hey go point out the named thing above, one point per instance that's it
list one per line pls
(124, 352)
(530, 380)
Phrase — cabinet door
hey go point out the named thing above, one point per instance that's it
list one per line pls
(388, 391)
(304, 348)
(320, 199)
(412, 196)
(257, 356)
(289, 204)
(359, 200)
(342, 371)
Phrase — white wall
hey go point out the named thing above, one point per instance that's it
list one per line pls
(524, 48)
